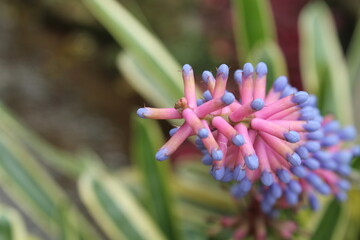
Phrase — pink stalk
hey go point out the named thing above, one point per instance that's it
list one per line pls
(242, 112)
(285, 113)
(272, 96)
(209, 142)
(176, 140)
(247, 148)
(247, 90)
(221, 80)
(277, 144)
(263, 157)
(224, 127)
(291, 125)
(275, 107)
(209, 107)
(269, 127)
(195, 123)
(159, 113)
(210, 81)
(222, 141)
(260, 87)
(189, 85)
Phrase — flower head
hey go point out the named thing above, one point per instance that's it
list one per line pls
(276, 143)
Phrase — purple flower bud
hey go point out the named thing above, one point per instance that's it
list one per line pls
(292, 136)
(312, 146)
(314, 202)
(207, 95)
(314, 179)
(356, 150)
(332, 126)
(283, 175)
(217, 155)
(307, 113)
(199, 102)
(173, 131)
(311, 163)
(280, 84)
(248, 70)
(316, 135)
(238, 76)
(275, 190)
(330, 165)
(348, 133)
(299, 171)
(322, 156)
(291, 198)
(186, 69)
(294, 159)
(312, 126)
(245, 184)
(287, 91)
(294, 186)
(218, 173)
(344, 184)
(343, 169)
(257, 104)
(266, 207)
(228, 175)
(323, 189)
(223, 71)
(141, 112)
(300, 97)
(267, 178)
(203, 133)
(206, 75)
(207, 160)
(238, 173)
(302, 152)
(238, 140)
(162, 154)
(228, 98)
(330, 140)
(252, 161)
(261, 69)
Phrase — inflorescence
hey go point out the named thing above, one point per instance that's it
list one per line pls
(276, 143)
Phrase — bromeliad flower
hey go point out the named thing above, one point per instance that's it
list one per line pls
(278, 139)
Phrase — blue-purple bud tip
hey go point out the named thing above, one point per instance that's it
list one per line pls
(141, 112)
(294, 186)
(307, 113)
(311, 163)
(312, 146)
(291, 198)
(218, 173)
(344, 184)
(223, 71)
(302, 152)
(275, 190)
(162, 154)
(252, 162)
(207, 95)
(238, 140)
(261, 69)
(280, 83)
(299, 171)
(186, 69)
(312, 126)
(173, 131)
(238, 76)
(300, 97)
(228, 98)
(294, 159)
(314, 202)
(206, 75)
(283, 175)
(316, 135)
(343, 156)
(207, 160)
(199, 102)
(267, 178)
(203, 133)
(248, 69)
(239, 173)
(348, 133)
(292, 136)
(257, 104)
(217, 155)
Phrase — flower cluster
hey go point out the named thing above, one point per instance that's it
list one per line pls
(276, 143)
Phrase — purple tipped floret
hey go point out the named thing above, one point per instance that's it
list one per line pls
(300, 97)
(302, 152)
(267, 178)
(228, 98)
(294, 186)
(239, 173)
(275, 190)
(291, 197)
(218, 173)
(316, 135)
(252, 161)
(283, 175)
(245, 185)
(162, 154)
(257, 104)
(203, 133)
(141, 111)
(217, 155)
(199, 102)
(223, 70)
(330, 165)
(299, 171)
(344, 184)
(173, 131)
(322, 156)
(261, 69)
(238, 76)
(312, 126)
(312, 146)
(186, 69)
(294, 159)
(332, 126)
(343, 169)
(207, 160)
(228, 175)
(307, 113)
(280, 84)
(330, 140)
(248, 69)
(348, 133)
(292, 136)
(311, 163)
(238, 140)
(324, 189)
(206, 75)
(287, 91)
(207, 95)
(356, 150)
(313, 202)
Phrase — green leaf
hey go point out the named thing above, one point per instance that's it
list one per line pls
(149, 53)
(30, 186)
(11, 225)
(353, 56)
(146, 139)
(114, 208)
(323, 67)
(253, 25)
(270, 53)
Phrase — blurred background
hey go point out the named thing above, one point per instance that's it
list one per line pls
(59, 73)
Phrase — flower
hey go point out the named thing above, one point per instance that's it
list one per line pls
(278, 139)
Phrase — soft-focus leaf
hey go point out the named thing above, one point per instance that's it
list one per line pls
(323, 67)
(65, 163)
(146, 140)
(149, 53)
(11, 225)
(253, 25)
(270, 53)
(353, 56)
(35, 192)
(114, 208)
